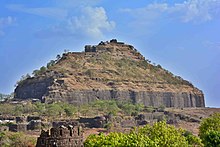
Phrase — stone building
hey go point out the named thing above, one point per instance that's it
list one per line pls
(20, 127)
(63, 136)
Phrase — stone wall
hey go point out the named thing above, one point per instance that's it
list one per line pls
(18, 127)
(63, 136)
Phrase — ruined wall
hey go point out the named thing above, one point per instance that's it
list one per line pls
(61, 137)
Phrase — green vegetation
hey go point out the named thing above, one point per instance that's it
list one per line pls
(49, 65)
(209, 131)
(160, 134)
(19, 139)
(99, 107)
(22, 79)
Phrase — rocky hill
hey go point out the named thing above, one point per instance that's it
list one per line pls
(109, 70)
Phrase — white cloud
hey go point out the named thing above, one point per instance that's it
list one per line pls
(92, 22)
(74, 18)
(189, 11)
(5, 22)
(197, 10)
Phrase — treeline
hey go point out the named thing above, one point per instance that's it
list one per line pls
(99, 107)
(39, 71)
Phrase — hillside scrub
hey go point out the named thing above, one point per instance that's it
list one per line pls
(18, 139)
(99, 107)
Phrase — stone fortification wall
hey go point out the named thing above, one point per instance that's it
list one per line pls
(63, 136)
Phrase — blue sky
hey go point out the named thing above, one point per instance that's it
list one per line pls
(182, 36)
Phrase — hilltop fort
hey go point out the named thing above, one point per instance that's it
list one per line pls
(109, 70)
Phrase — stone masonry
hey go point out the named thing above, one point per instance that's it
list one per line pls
(63, 136)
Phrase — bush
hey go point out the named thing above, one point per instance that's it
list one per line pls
(212, 138)
(192, 140)
(18, 139)
(160, 134)
(209, 130)
(117, 139)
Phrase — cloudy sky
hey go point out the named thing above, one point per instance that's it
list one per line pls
(183, 35)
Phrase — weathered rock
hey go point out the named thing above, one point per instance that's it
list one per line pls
(33, 88)
(155, 99)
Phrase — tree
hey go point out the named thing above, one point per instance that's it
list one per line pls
(40, 71)
(160, 134)
(23, 78)
(54, 110)
(209, 130)
(36, 72)
(51, 63)
(58, 57)
(43, 69)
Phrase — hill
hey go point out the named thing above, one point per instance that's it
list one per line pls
(109, 70)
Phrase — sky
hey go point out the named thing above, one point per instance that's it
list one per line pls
(182, 36)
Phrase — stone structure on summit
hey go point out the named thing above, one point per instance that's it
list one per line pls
(111, 70)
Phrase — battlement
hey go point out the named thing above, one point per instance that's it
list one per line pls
(96, 48)
(62, 136)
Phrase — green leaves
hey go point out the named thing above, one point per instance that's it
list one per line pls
(212, 138)
(160, 134)
(209, 130)
(18, 139)
(118, 139)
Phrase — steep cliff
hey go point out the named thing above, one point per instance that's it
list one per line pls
(109, 70)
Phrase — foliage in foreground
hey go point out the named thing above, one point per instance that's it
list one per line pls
(18, 139)
(160, 134)
(209, 131)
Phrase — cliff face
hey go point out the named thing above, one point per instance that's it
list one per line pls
(110, 70)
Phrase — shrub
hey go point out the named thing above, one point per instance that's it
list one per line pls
(160, 134)
(192, 140)
(18, 139)
(209, 130)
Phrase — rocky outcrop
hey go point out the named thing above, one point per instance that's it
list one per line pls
(110, 70)
(33, 88)
(155, 99)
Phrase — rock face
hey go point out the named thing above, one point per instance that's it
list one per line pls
(155, 99)
(110, 70)
(33, 88)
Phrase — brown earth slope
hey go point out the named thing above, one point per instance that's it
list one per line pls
(109, 70)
